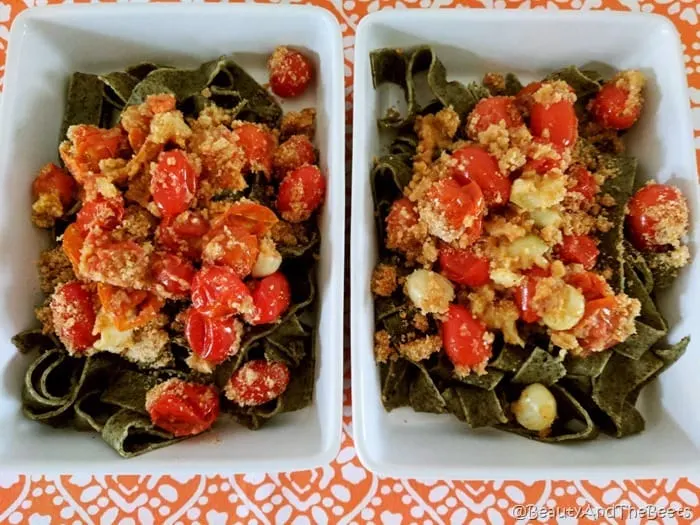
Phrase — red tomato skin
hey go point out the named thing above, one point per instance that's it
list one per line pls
(293, 153)
(183, 234)
(257, 382)
(233, 247)
(601, 319)
(51, 179)
(523, 295)
(524, 98)
(218, 292)
(101, 213)
(475, 164)
(271, 296)
(586, 184)
(173, 183)
(543, 165)
(463, 339)
(591, 285)
(579, 249)
(72, 245)
(609, 108)
(182, 408)
(290, 72)
(642, 221)
(258, 147)
(300, 193)
(74, 313)
(212, 339)
(456, 202)
(493, 110)
(172, 275)
(463, 267)
(555, 122)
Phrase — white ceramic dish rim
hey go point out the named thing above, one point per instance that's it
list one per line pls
(360, 373)
(330, 349)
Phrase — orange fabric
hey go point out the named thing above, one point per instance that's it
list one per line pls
(344, 492)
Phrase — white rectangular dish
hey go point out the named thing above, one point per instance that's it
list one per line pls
(470, 43)
(46, 46)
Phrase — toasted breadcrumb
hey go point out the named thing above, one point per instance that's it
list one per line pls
(420, 322)
(435, 132)
(298, 123)
(495, 83)
(46, 209)
(54, 269)
(384, 279)
(633, 82)
(45, 317)
(383, 351)
(554, 91)
(138, 225)
(421, 348)
(496, 313)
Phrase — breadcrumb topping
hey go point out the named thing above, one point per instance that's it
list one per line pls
(384, 279)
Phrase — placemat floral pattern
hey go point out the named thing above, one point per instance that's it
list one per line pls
(344, 492)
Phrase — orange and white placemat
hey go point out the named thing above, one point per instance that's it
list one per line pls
(343, 491)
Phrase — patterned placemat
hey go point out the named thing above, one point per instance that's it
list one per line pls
(344, 492)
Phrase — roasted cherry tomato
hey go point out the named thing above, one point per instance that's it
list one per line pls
(173, 183)
(213, 339)
(290, 72)
(217, 292)
(271, 296)
(602, 323)
(456, 203)
(463, 267)
(128, 308)
(465, 340)
(233, 246)
(258, 147)
(172, 275)
(525, 293)
(542, 157)
(257, 382)
(524, 98)
(73, 311)
(580, 249)
(657, 216)
(119, 263)
(90, 145)
(182, 408)
(555, 122)
(293, 153)
(72, 244)
(592, 285)
(183, 234)
(476, 165)
(300, 193)
(52, 179)
(616, 106)
(493, 110)
(101, 213)
(585, 182)
(250, 216)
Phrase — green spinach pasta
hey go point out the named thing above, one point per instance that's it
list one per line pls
(519, 255)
